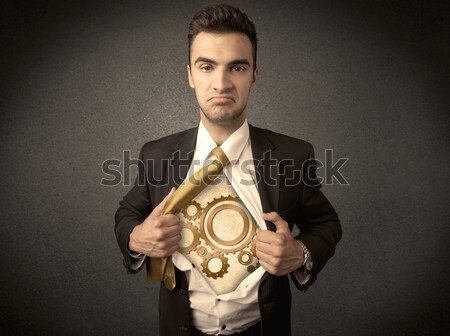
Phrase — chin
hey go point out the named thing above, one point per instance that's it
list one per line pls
(223, 117)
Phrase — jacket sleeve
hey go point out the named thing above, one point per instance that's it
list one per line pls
(320, 228)
(134, 208)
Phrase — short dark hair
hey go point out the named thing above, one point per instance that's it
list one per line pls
(221, 18)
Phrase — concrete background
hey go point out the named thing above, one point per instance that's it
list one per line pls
(82, 81)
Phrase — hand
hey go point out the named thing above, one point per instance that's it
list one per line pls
(278, 252)
(158, 235)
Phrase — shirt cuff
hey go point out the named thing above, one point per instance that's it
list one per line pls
(136, 260)
(302, 277)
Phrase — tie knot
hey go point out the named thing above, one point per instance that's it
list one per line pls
(221, 156)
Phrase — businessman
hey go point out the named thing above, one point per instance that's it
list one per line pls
(228, 250)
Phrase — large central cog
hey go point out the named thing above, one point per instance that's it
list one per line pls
(237, 208)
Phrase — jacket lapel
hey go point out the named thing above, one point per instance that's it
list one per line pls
(266, 168)
(182, 155)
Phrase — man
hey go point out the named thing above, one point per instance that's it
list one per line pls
(272, 177)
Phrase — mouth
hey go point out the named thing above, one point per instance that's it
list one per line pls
(222, 100)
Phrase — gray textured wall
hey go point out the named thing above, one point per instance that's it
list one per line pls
(81, 81)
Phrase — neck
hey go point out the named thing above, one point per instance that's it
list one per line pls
(221, 132)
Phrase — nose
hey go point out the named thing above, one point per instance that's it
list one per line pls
(222, 81)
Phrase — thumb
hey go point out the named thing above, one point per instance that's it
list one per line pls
(160, 207)
(280, 224)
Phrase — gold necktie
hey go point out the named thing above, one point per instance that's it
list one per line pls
(162, 269)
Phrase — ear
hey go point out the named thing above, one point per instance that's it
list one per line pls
(255, 74)
(191, 82)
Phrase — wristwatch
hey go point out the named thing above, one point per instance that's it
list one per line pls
(307, 263)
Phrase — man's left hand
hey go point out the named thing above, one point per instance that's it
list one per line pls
(278, 252)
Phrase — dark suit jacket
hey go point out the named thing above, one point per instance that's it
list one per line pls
(287, 183)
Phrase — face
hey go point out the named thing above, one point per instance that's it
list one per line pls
(222, 75)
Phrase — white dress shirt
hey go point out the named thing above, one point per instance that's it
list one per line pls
(238, 310)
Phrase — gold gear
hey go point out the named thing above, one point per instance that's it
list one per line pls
(249, 224)
(195, 238)
(197, 214)
(222, 271)
(249, 260)
(201, 251)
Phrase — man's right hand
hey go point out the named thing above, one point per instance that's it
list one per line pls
(158, 235)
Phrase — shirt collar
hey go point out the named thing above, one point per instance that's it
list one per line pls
(232, 147)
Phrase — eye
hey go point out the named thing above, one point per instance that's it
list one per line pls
(206, 68)
(238, 69)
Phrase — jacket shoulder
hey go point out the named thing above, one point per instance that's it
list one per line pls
(284, 142)
(168, 144)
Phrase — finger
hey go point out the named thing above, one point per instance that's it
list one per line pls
(166, 251)
(169, 220)
(162, 253)
(160, 234)
(280, 224)
(275, 262)
(159, 208)
(275, 270)
(268, 259)
(262, 247)
(171, 231)
(267, 248)
(162, 221)
(267, 236)
(268, 268)
(169, 243)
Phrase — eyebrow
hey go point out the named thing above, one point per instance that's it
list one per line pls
(234, 62)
